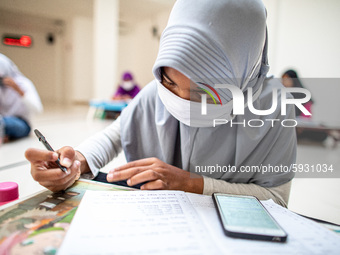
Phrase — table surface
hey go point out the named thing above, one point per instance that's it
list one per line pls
(39, 223)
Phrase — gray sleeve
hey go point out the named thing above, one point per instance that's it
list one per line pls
(101, 148)
(279, 194)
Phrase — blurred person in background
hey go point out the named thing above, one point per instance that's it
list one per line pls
(291, 79)
(19, 100)
(127, 89)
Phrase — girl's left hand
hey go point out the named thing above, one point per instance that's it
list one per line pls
(11, 83)
(157, 175)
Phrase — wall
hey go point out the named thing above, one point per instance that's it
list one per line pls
(63, 71)
(39, 62)
(303, 35)
(82, 56)
(138, 47)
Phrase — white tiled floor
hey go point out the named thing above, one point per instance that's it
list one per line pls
(61, 126)
(317, 198)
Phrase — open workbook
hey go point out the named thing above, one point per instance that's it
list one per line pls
(175, 222)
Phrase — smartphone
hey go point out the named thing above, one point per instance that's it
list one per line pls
(246, 217)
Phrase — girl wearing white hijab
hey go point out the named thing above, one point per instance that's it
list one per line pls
(166, 143)
(19, 100)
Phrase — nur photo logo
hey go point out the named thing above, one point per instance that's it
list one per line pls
(241, 100)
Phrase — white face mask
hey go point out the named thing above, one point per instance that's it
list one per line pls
(189, 112)
(127, 85)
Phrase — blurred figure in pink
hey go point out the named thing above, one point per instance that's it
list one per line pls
(291, 79)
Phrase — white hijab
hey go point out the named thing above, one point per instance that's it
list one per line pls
(11, 103)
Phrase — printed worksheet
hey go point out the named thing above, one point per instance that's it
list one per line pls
(148, 222)
(175, 222)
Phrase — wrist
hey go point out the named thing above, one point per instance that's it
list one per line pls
(195, 184)
(84, 167)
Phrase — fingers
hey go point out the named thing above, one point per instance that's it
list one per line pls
(36, 155)
(8, 82)
(154, 185)
(55, 179)
(137, 163)
(47, 173)
(146, 176)
(120, 175)
(67, 156)
(139, 171)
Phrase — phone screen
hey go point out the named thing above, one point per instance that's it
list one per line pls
(246, 215)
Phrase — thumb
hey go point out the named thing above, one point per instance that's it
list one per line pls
(67, 156)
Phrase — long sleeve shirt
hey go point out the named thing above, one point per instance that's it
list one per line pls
(104, 146)
(11, 102)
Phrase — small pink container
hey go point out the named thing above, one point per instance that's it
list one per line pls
(9, 191)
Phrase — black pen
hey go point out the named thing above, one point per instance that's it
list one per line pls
(48, 146)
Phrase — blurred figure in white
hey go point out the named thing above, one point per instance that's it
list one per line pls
(19, 100)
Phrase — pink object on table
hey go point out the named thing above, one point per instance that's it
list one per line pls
(9, 191)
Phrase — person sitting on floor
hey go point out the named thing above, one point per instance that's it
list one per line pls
(128, 89)
(19, 100)
(290, 79)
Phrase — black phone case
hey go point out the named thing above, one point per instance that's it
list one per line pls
(249, 236)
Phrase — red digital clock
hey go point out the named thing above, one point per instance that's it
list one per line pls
(17, 40)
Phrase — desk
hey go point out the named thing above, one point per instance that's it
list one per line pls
(37, 225)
